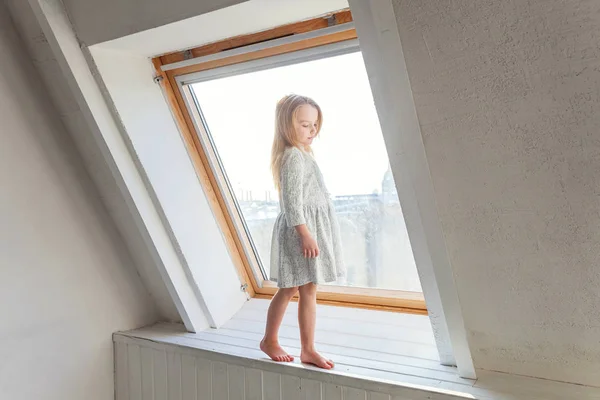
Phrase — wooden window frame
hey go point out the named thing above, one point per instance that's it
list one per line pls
(171, 66)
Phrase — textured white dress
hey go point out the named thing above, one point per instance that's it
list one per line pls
(304, 199)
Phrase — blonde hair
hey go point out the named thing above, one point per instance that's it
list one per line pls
(285, 133)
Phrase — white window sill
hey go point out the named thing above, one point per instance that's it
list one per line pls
(377, 351)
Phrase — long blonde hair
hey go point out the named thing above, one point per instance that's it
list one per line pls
(285, 133)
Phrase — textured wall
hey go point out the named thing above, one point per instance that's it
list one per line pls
(508, 98)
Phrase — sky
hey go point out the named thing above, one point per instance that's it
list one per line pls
(240, 114)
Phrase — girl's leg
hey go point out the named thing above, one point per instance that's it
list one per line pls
(307, 319)
(270, 343)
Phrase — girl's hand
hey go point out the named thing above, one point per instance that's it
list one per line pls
(310, 248)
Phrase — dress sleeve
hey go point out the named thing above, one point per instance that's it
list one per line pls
(292, 176)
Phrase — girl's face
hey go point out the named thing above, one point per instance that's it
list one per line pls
(305, 124)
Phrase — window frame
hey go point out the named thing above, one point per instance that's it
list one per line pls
(176, 70)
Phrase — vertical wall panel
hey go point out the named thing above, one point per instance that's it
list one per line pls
(332, 392)
(160, 374)
(121, 372)
(378, 396)
(220, 388)
(236, 382)
(311, 390)
(174, 376)
(188, 377)
(290, 387)
(147, 355)
(203, 379)
(271, 386)
(134, 361)
(353, 394)
(254, 388)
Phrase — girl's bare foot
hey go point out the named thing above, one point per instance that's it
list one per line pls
(275, 352)
(314, 358)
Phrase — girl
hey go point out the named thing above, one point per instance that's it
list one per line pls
(306, 247)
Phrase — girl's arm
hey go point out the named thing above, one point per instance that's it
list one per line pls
(292, 176)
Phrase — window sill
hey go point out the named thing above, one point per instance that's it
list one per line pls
(360, 343)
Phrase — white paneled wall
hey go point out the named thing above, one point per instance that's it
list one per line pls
(148, 370)
(144, 373)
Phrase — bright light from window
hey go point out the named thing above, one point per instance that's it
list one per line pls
(239, 112)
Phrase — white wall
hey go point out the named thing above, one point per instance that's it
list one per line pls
(507, 94)
(149, 367)
(66, 282)
(72, 116)
(97, 21)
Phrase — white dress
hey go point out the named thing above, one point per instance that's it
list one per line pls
(304, 199)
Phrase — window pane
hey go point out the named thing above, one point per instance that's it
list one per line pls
(239, 112)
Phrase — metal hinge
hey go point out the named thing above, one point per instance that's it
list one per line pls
(244, 288)
(187, 55)
(331, 21)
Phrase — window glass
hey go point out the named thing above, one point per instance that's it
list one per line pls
(239, 112)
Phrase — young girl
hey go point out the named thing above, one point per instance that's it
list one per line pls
(306, 248)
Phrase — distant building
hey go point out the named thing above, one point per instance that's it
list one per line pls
(376, 246)
(389, 193)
